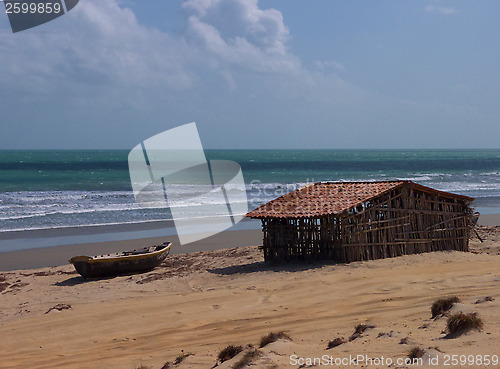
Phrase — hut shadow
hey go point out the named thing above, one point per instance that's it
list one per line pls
(261, 266)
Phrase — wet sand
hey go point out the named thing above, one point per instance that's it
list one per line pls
(59, 255)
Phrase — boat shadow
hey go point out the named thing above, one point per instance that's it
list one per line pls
(262, 266)
(74, 281)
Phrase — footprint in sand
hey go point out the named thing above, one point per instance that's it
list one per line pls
(265, 299)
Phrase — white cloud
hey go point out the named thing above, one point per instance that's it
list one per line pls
(247, 47)
(235, 19)
(101, 44)
(98, 44)
(232, 64)
(237, 33)
(324, 65)
(438, 9)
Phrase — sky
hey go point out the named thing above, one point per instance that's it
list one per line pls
(268, 74)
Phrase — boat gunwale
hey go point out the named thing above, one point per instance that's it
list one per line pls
(120, 258)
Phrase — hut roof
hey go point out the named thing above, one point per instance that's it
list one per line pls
(331, 198)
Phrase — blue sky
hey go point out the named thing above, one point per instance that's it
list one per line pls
(256, 74)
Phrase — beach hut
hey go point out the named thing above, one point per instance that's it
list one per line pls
(351, 221)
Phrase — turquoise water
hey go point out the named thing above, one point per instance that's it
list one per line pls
(51, 189)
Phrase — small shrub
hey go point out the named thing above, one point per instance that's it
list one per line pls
(460, 323)
(229, 352)
(359, 329)
(273, 337)
(181, 357)
(404, 341)
(177, 360)
(415, 353)
(443, 305)
(336, 342)
(246, 359)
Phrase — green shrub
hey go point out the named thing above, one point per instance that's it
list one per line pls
(181, 357)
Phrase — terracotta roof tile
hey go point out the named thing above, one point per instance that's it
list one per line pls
(329, 198)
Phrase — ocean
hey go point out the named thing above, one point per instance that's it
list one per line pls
(61, 189)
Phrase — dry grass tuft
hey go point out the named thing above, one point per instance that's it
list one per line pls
(404, 341)
(181, 357)
(460, 323)
(273, 337)
(416, 353)
(336, 342)
(246, 359)
(359, 329)
(443, 305)
(229, 352)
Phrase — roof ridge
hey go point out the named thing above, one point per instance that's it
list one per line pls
(366, 181)
(330, 197)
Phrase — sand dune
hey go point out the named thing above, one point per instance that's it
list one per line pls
(199, 303)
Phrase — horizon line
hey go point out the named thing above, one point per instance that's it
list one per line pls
(274, 149)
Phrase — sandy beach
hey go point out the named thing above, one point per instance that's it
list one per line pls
(59, 255)
(336, 165)
(196, 304)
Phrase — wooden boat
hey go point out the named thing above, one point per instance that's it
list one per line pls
(136, 261)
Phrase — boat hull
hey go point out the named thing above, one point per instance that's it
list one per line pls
(125, 263)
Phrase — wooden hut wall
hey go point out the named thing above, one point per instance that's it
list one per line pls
(370, 232)
(403, 221)
(303, 238)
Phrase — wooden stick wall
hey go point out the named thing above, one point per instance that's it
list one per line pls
(403, 221)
